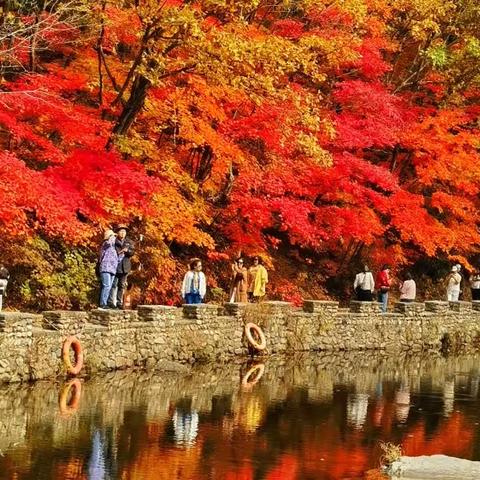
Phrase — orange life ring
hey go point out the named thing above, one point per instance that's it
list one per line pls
(78, 350)
(69, 406)
(259, 344)
(256, 372)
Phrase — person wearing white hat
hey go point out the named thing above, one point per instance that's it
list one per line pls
(453, 285)
(107, 266)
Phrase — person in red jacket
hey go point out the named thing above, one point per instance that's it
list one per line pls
(383, 283)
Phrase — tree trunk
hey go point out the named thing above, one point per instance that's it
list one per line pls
(132, 107)
(99, 56)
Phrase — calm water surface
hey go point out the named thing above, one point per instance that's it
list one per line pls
(312, 417)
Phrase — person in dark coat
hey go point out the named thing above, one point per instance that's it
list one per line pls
(125, 250)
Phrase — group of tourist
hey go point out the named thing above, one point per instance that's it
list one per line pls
(248, 285)
(114, 265)
(245, 285)
(364, 285)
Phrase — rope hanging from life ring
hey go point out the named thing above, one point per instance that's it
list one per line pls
(72, 342)
(258, 342)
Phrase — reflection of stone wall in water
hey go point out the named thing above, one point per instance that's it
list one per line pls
(155, 336)
(29, 413)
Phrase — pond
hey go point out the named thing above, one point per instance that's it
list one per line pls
(308, 417)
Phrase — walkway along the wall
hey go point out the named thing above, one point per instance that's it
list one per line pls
(154, 336)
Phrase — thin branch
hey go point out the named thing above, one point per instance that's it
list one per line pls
(112, 79)
(134, 66)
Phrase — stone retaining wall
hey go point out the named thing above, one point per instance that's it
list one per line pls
(30, 345)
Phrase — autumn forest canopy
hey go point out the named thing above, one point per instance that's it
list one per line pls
(319, 134)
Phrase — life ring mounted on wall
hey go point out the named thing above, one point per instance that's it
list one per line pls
(255, 336)
(74, 343)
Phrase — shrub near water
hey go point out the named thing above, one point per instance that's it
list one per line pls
(50, 280)
(390, 453)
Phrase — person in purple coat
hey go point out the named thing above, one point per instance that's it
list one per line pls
(107, 266)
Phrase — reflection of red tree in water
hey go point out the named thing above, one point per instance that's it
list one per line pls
(342, 462)
(322, 457)
(326, 451)
(245, 473)
(71, 469)
(454, 437)
(326, 458)
(155, 462)
(286, 469)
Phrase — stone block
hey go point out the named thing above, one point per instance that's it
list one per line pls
(119, 318)
(37, 320)
(320, 306)
(476, 305)
(157, 313)
(371, 308)
(17, 322)
(463, 307)
(202, 311)
(437, 306)
(409, 308)
(64, 320)
(274, 308)
(235, 309)
(392, 316)
(276, 304)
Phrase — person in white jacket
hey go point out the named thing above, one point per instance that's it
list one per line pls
(453, 285)
(194, 285)
(364, 285)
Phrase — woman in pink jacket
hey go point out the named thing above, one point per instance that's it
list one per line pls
(408, 289)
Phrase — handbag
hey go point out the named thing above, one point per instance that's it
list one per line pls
(238, 277)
